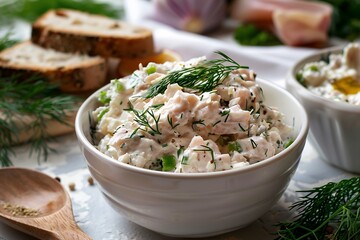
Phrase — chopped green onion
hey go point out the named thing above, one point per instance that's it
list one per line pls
(119, 86)
(168, 162)
(151, 69)
(288, 143)
(102, 113)
(103, 98)
(314, 68)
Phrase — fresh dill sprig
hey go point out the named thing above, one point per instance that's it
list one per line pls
(334, 206)
(5, 153)
(29, 11)
(143, 118)
(202, 78)
(35, 99)
(6, 41)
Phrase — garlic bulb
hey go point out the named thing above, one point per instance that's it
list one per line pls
(198, 16)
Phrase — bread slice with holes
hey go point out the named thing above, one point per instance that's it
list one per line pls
(78, 32)
(74, 73)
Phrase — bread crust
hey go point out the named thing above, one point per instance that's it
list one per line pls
(136, 43)
(85, 76)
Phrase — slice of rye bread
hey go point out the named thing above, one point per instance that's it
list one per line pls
(73, 73)
(78, 32)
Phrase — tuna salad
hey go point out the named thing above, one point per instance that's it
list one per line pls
(189, 117)
(337, 77)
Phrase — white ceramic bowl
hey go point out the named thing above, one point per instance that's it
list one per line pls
(200, 204)
(334, 126)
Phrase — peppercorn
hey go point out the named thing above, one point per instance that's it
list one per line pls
(72, 186)
(90, 180)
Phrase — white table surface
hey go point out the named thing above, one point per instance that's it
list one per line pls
(101, 222)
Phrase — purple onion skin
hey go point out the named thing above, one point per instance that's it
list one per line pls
(198, 16)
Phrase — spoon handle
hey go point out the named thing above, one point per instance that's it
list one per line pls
(60, 232)
(73, 234)
(64, 227)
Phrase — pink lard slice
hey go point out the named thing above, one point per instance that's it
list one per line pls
(296, 23)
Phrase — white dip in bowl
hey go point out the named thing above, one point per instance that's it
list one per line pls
(198, 199)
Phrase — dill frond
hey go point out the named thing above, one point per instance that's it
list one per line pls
(5, 153)
(144, 119)
(207, 149)
(202, 78)
(6, 41)
(334, 206)
(39, 101)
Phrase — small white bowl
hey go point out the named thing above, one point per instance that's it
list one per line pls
(196, 204)
(334, 126)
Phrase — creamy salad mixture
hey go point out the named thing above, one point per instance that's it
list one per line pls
(338, 78)
(186, 130)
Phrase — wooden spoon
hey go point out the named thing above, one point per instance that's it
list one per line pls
(37, 204)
